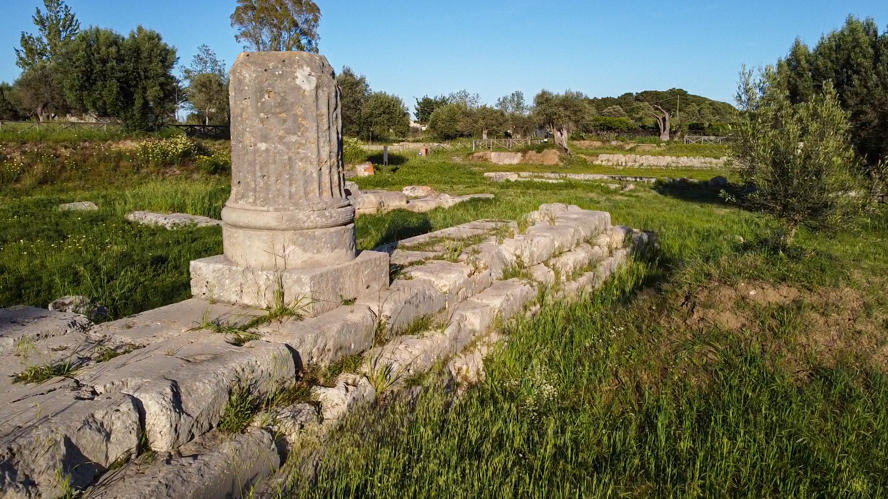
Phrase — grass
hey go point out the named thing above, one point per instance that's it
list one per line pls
(723, 366)
(44, 372)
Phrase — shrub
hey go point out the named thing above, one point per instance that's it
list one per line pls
(798, 157)
(352, 152)
(166, 152)
(214, 164)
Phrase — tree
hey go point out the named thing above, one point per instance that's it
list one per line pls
(39, 90)
(93, 66)
(277, 25)
(55, 28)
(125, 78)
(426, 106)
(798, 156)
(447, 121)
(464, 97)
(512, 103)
(855, 59)
(207, 86)
(9, 105)
(385, 116)
(354, 91)
(150, 85)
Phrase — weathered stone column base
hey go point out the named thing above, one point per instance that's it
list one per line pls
(311, 291)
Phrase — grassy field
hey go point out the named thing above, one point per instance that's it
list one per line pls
(722, 366)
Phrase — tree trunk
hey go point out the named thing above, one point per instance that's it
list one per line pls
(561, 139)
(484, 134)
(662, 122)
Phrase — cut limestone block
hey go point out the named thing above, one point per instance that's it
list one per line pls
(56, 433)
(173, 320)
(404, 302)
(570, 262)
(452, 279)
(227, 469)
(370, 202)
(542, 275)
(313, 290)
(22, 323)
(405, 356)
(350, 391)
(324, 339)
(183, 384)
(171, 221)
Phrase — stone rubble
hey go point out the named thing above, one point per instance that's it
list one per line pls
(651, 161)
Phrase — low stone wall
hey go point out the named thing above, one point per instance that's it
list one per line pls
(166, 382)
(561, 177)
(548, 157)
(650, 161)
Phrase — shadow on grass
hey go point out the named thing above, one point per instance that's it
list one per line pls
(378, 230)
(394, 159)
(715, 191)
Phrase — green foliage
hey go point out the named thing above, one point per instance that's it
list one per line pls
(242, 406)
(55, 28)
(384, 116)
(855, 60)
(612, 124)
(446, 122)
(44, 372)
(425, 106)
(797, 156)
(207, 87)
(214, 164)
(41, 92)
(352, 152)
(512, 103)
(277, 25)
(126, 78)
(354, 92)
(167, 152)
(9, 103)
(569, 110)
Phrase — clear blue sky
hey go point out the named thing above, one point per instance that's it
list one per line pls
(416, 47)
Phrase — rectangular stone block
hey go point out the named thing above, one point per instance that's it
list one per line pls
(313, 291)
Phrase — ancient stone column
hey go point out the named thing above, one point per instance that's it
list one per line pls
(288, 230)
(287, 207)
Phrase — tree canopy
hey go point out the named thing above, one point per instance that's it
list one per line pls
(277, 25)
(207, 87)
(855, 59)
(354, 91)
(55, 28)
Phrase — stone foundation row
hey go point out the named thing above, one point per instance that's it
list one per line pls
(166, 392)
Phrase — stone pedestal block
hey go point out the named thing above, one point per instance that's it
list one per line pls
(312, 291)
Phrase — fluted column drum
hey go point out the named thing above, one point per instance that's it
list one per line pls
(287, 208)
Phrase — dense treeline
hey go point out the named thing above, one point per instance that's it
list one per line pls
(855, 59)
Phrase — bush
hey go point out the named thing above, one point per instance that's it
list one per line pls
(614, 124)
(798, 157)
(213, 165)
(166, 152)
(352, 152)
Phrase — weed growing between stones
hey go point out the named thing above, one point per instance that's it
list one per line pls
(242, 406)
(44, 372)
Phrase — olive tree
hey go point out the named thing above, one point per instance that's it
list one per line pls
(797, 156)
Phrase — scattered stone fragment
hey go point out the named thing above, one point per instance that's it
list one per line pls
(364, 169)
(80, 305)
(350, 391)
(418, 191)
(79, 206)
(171, 220)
